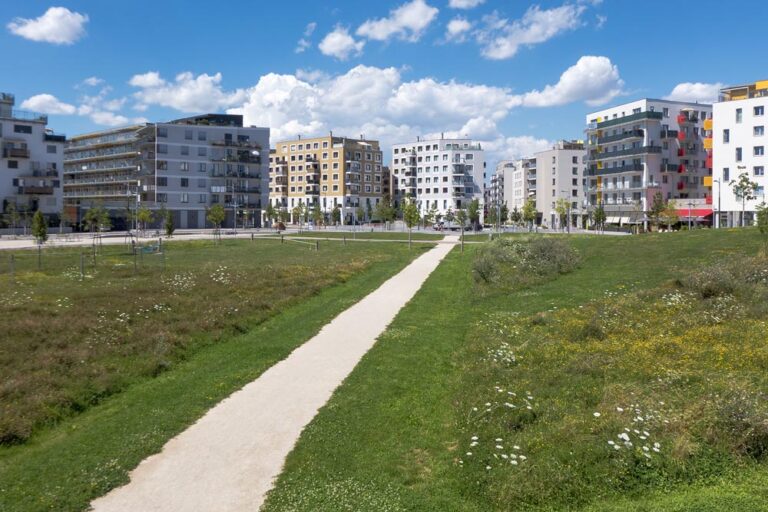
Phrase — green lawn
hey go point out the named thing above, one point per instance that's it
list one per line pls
(612, 338)
(369, 235)
(278, 297)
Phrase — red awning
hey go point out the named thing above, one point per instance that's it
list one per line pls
(694, 212)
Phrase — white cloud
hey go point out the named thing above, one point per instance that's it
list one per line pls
(695, 92)
(109, 118)
(457, 29)
(502, 38)
(464, 4)
(92, 81)
(514, 148)
(304, 43)
(407, 22)
(47, 104)
(601, 20)
(187, 93)
(594, 80)
(340, 44)
(58, 25)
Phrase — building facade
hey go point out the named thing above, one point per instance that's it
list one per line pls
(32, 161)
(738, 145)
(444, 174)
(559, 174)
(330, 172)
(183, 166)
(645, 147)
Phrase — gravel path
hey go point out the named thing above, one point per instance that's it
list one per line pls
(227, 461)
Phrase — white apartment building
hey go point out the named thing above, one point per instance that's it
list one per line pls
(644, 147)
(559, 174)
(498, 184)
(739, 146)
(446, 174)
(30, 163)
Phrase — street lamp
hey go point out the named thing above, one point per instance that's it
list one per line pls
(717, 217)
(690, 204)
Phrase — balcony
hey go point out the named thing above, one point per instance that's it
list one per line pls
(668, 168)
(30, 190)
(593, 171)
(15, 153)
(245, 144)
(54, 137)
(630, 134)
(708, 163)
(669, 134)
(246, 190)
(641, 150)
(641, 116)
(708, 143)
(682, 136)
(708, 124)
(686, 119)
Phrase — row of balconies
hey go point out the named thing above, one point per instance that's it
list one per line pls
(9, 152)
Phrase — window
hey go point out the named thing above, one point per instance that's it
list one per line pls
(200, 182)
(188, 134)
(201, 151)
(184, 150)
(201, 167)
(13, 164)
(50, 149)
(759, 111)
(21, 128)
(162, 182)
(726, 174)
(162, 198)
(759, 150)
(201, 135)
(184, 166)
(162, 149)
(184, 198)
(184, 182)
(202, 198)
(726, 136)
(162, 131)
(666, 112)
(739, 115)
(758, 170)
(738, 154)
(758, 131)
(335, 154)
(162, 165)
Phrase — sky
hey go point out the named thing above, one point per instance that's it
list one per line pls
(514, 75)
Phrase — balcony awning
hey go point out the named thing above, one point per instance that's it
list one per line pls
(694, 213)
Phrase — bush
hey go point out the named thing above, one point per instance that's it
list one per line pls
(519, 263)
(744, 276)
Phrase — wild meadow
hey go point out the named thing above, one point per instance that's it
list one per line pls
(591, 373)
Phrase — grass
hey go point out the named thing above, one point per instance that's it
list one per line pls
(370, 235)
(64, 466)
(611, 335)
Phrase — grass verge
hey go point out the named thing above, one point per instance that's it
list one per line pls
(64, 467)
(369, 235)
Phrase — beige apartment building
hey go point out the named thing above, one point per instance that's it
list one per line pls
(328, 171)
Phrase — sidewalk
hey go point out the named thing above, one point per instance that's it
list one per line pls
(227, 461)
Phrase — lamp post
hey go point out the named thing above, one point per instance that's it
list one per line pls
(690, 204)
(717, 217)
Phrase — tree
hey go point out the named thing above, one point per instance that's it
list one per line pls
(297, 212)
(515, 216)
(216, 215)
(336, 215)
(410, 217)
(492, 216)
(529, 212)
(762, 222)
(144, 216)
(504, 216)
(96, 218)
(13, 216)
(359, 214)
(430, 216)
(473, 213)
(168, 224)
(744, 189)
(65, 219)
(450, 216)
(317, 214)
(283, 215)
(599, 217)
(461, 218)
(669, 215)
(39, 228)
(368, 212)
(385, 211)
(657, 206)
(561, 209)
(271, 213)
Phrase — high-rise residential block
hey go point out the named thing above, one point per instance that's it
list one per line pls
(183, 166)
(738, 144)
(559, 175)
(444, 174)
(330, 172)
(30, 163)
(645, 147)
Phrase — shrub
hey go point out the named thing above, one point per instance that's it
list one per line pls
(744, 276)
(518, 263)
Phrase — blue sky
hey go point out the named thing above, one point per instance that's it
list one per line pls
(514, 74)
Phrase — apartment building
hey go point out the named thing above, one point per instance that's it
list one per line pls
(31, 165)
(183, 166)
(644, 147)
(445, 174)
(738, 145)
(522, 184)
(328, 171)
(500, 183)
(559, 173)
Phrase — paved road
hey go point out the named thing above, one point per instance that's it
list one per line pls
(227, 461)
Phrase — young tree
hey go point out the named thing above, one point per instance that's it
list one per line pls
(504, 216)
(283, 216)
(297, 212)
(271, 214)
(317, 214)
(669, 215)
(515, 217)
(369, 212)
(168, 224)
(385, 211)
(216, 215)
(561, 209)
(411, 218)
(473, 213)
(359, 215)
(762, 223)
(529, 212)
(599, 217)
(65, 219)
(461, 218)
(431, 216)
(744, 189)
(657, 206)
(492, 217)
(39, 228)
(13, 216)
(336, 215)
(450, 216)
(144, 216)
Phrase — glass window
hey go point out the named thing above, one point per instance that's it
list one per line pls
(738, 154)
(184, 150)
(162, 131)
(22, 128)
(759, 131)
(726, 174)
(184, 182)
(201, 135)
(184, 198)
(758, 170)
(739, 115)
(726, 136)
(50, 149)
(759, 150)
(162, 149)
(759, 111)
(188, 134)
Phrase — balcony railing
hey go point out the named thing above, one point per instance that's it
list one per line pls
(594, 171)
(630, 134)
(15, 153)
(641, 116)
(642, 150)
